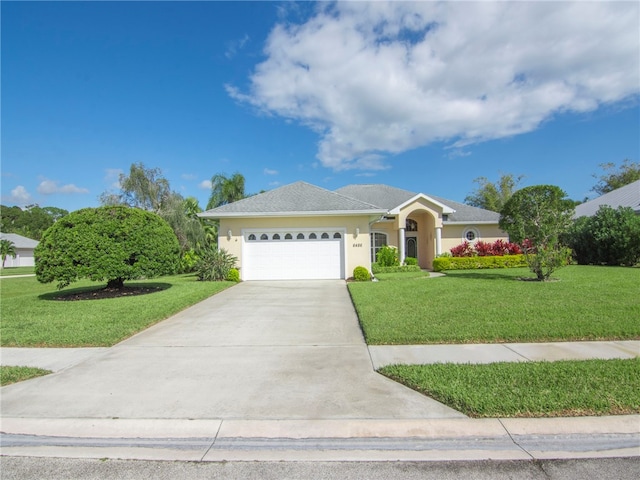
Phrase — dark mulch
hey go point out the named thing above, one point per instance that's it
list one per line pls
(106, 293)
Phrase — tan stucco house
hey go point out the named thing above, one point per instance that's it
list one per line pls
(301, 231)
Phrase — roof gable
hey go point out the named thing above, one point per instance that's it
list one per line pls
(393, 198)
(464, 213)
(298, 198)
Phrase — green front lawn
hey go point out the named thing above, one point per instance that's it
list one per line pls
(9, 375)
(5, 271)
(485, 306)
(31, 318)
(530, 389)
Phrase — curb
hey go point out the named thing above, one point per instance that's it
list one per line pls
(324, 440)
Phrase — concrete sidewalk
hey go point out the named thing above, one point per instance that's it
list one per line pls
(382, 355)
(56, 359)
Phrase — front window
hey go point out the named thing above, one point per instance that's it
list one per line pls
(378, 240)
(471, 234)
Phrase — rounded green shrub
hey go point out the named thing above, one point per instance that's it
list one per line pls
(361, 274)
(233, 275)
(410, 261)
(112, 244)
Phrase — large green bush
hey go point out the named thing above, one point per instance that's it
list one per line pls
(441, 264)
(113, 244)
(610, 237)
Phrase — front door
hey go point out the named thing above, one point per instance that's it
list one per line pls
(411, 247)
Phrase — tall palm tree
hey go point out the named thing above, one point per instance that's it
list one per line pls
(7, 248)
(226, 189)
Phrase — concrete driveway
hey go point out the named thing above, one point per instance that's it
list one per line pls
(260, 350)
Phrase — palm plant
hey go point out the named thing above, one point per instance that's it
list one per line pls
(7, 248)
(226, 190)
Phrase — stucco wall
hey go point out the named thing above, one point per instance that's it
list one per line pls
(453, 235)
(24, 258)
(357, 249)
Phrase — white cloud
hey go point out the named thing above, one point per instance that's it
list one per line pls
(268, 171)
(50, 187)
(20, 196)
(205, 185)
(379, 78)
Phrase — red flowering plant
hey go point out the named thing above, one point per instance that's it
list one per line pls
(463, 250)
(484, 249)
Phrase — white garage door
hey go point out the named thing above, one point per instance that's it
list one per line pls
(293, 255)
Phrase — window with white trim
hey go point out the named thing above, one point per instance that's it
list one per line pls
(470, 234)
(378, 240)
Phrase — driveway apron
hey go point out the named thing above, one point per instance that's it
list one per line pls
(259, 350)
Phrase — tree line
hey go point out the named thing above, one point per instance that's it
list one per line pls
(493, 195)
(537, 217)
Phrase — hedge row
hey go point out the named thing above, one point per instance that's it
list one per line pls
(376, 268)
(468, 263)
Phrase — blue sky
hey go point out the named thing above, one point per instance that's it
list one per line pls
(423, 96)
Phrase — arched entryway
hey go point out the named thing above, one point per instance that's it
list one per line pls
(419, 237)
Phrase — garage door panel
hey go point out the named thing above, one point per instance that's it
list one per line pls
(293, 259)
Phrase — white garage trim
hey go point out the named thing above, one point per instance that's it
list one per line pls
(293, 254)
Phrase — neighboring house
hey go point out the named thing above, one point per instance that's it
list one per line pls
(301, 231)
(627, 196)
(24, 250)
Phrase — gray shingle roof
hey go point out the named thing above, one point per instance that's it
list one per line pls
(303, 198)
(377, 194)
(466, 213)
(19, 241)
(627, 196)
(295, 198)
(391, 197)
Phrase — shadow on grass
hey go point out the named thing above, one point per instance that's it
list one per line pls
(486, 275)
(102, 292)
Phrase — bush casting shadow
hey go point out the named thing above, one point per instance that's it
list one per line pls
(98, 293)
(485, 276)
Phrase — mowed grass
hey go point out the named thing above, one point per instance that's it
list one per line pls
(9, 375)
(7, 271)
(486, 306)
(530, 389)
(30, 318)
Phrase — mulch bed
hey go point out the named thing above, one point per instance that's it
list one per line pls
(107, 293)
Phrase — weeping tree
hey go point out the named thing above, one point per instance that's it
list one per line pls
(143, 188)
(147, 189)
(110, 243)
